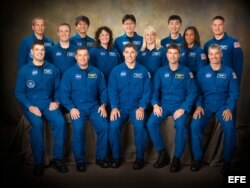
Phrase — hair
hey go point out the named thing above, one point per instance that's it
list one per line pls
(150, 29)
(128, 17)
(174, 46)
(196, 34)
(218, 18)
(130, 45)
(175, 17)
(81, 48)
(82, 18)
(37, 18)
(214, 46)
(65, 24)
(37, 42)
(97, 35)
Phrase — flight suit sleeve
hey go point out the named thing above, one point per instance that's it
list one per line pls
(113, 95)
(145, 100)
(233, 92)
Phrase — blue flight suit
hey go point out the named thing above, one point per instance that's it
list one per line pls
(86, 91)
(219, 90)
(128, 89)
(152, 60)
(180, 42)
(87, 42)
(24, 50)
(39, 86)
(62, 58)
(168, 40)
(122, 40)
(172, 90)
(104, 59)
(232, 53)
(195, 58)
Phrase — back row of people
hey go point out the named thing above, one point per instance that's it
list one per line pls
(83, 95)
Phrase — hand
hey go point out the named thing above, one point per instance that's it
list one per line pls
(35, 110)
(53, 106)
(74, 113)
(178, 113)
(115, 113)
(102, 111)
(227, 115)
(139, 113)
(198, 112)
(157, 110)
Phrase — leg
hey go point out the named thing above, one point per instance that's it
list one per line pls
(78, 138)
(100, 125)
(115, 136)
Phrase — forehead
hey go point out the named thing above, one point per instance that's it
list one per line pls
(62, 27)
(218, 21)
(213, 50)
(82, 51)
(172, 50)
(174, 22)
(38, 21)
(38, 46)
(129, 49)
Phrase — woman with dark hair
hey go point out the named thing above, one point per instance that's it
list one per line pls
(195, 56)
(103, 55)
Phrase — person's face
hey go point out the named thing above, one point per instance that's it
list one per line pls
(38, 52)
(38, 27)
(129, 26)
(214, 56)
(63, 33)
(174, 26)
(82, 57)
(189, 37)
(173, 56)
(129, 54)
(150, 37)
(217, 27)
(82, 27)
(104, 37)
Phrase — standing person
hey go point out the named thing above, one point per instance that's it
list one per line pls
(81, 38)
(62, 54)
(37, 89)
(174, 92)
(219, 92)
(103, 55)
(231, 48)
(84, 95)
(129, 94)
(130, 36)
(24, 50)
(195, 56)
(152, 55)
(174, 26)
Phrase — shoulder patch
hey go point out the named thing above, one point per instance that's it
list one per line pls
(234, 75)
(237, 45)
(191, 75)
(203, 56)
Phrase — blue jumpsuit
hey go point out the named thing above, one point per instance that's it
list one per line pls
(24, 50)
(86, 91)
(128, 89)
(87, 42)
(180, 41)
(219, 91)
(122, 40)
(39, 86)
(62, 58)
(105, 60)
(173, 90)
(152, 60)
(232, 53)
(195, 59)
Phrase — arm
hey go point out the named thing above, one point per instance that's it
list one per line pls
(113, 94)
(22, 54)
(238, 60)
(233, 92)
(145, 100)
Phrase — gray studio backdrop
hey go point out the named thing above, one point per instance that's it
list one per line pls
(16, 19)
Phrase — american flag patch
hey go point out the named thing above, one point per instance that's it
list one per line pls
(234, 75)
(203, 56)
(191, 75)
(236, 45)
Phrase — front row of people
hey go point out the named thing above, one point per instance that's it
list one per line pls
(83, 92)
